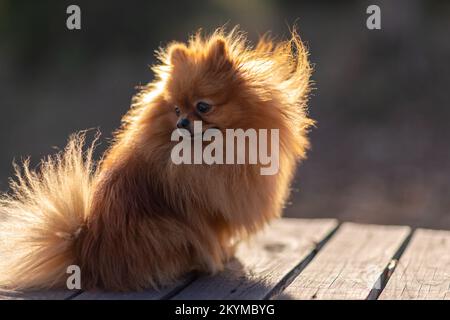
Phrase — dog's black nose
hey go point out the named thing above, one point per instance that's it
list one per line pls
(183, 123)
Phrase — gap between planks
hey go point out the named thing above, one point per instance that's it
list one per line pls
(350, 265)
(389, 270)
(38, 295)
(423, 271)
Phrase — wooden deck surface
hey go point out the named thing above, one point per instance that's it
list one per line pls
(313, 259)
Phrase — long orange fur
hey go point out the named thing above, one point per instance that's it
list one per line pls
(138, 220)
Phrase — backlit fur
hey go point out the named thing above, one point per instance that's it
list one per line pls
(139, 220)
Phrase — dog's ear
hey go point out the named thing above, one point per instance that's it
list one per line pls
(218, 49)
(218, 54)
(177, 53)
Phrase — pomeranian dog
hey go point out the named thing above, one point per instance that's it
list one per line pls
(137, 220)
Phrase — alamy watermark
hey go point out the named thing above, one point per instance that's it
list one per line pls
(373, 22)
(73, 281)
(73, 21)
(262, 148)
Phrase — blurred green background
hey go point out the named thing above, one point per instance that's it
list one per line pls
(380, 151)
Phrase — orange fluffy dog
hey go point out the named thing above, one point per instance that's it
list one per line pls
(137, 219)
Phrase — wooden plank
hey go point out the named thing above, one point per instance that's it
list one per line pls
(149, 294)
(423, 271)
(37, 295)
(266, 264)
(350, 265)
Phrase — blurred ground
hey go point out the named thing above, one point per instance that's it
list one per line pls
(380, 151)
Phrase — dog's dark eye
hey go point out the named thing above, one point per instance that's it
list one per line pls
(203, 107)
(177, 111)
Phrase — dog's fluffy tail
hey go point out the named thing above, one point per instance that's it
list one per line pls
(42, 216)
